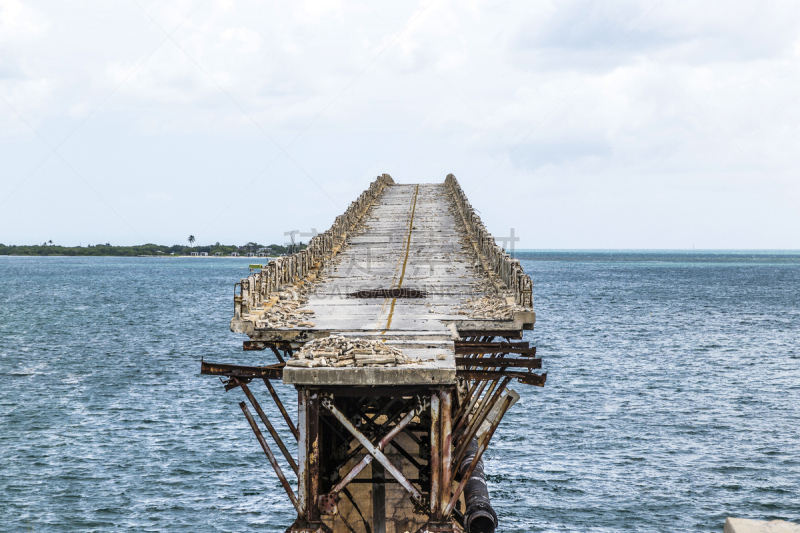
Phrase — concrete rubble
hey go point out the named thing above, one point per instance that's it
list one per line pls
(286, 312)
(483, 285)
(491, 307)
(338, 351)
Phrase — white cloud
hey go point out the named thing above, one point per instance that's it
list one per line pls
(638, 122)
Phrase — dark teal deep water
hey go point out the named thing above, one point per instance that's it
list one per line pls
(672, 400)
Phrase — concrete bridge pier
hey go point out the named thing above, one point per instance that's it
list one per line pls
(375, 460)
(395, 327)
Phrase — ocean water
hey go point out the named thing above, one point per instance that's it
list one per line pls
(672, 399)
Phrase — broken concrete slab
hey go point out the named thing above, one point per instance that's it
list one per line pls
(744, 525)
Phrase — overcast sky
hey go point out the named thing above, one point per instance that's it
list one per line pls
(670, 124)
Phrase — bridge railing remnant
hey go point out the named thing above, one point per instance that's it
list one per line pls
(506, 267)
(257, 288)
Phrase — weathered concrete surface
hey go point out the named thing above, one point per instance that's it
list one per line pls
(744, 525)
(409, 239)
(438, 367)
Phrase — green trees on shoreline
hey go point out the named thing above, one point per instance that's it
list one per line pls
(155, 250)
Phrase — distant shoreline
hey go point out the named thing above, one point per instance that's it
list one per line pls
(150, 250)
(654, 257)
(146, 256)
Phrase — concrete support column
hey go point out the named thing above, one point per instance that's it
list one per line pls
(446, 439)
(441, 457)
(436, 457)
(308, 451)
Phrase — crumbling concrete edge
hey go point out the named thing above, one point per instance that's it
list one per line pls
(257, 290)
(493, 258)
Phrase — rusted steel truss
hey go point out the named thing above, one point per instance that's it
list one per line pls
(470, 347)
(482, 361)
(375, 452)
(246, 372)
(450, 427)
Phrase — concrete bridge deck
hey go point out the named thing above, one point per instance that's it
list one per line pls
(394, 327)
(411, 238)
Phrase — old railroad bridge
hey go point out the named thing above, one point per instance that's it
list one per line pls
(396, 327)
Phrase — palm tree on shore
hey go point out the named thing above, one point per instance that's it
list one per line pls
(191, 240)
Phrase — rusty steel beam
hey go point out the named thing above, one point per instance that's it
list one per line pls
(468, 348)
(237, 371)
(483, 341)
(250, 346)
(481, 448)
(501, 362)
(527, 378)
(408, 456)
(374, 480)
(480, 416)
(467, 407)
(372, 449)
(277, 353)
(467, 404)
(271, 429)
(478, 404)
(507, 334)
(270, 456)
(282, 409)
(377, 428)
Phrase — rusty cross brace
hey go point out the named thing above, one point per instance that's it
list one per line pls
(270, 456)
(374, 451)
(368, 458)
(271, 429)
(375, 429)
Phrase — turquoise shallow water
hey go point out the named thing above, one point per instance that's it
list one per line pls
(672, 400)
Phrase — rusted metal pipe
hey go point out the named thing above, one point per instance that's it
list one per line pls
(282, 409)
(271, 429)
(479, 516)
(372, 450)
(270, 456)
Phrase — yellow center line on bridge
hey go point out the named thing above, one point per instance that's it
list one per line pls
(405, 260)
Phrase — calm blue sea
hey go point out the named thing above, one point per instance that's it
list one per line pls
(672, 399)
